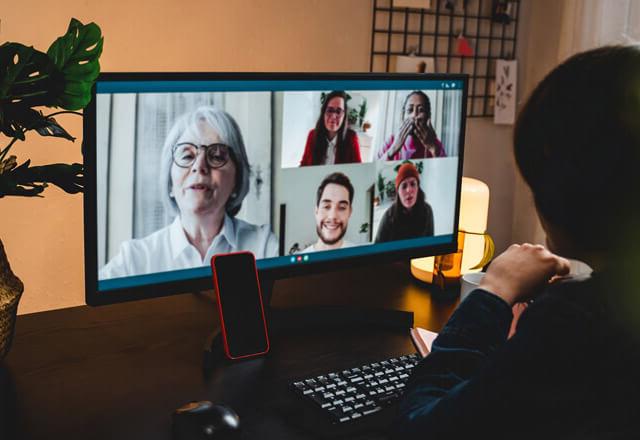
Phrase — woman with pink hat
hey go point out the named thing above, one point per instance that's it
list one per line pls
(410, 216)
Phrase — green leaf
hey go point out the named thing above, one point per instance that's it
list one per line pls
(30, 181)
(23, 118)
(76, 55)
(27, 76)
(50, 127)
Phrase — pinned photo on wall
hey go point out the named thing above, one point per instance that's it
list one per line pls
(505, 88)
(415, 64)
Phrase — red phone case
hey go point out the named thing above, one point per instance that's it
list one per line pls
(220, 314)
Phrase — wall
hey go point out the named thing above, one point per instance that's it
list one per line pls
(43, 237)
(540, 46)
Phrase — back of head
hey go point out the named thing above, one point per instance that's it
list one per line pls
(577, 144)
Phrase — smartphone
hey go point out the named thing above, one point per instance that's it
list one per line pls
(242, 319)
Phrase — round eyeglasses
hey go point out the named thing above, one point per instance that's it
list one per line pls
(335, 111)
(185, 154)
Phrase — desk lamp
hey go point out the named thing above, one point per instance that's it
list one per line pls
(475, 246)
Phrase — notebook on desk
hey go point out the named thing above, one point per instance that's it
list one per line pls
(422, 339)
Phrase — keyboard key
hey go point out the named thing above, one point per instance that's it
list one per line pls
(372, 410)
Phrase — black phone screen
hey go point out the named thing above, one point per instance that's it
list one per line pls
(240, 303)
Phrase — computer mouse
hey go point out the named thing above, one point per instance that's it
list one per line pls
(206, 421)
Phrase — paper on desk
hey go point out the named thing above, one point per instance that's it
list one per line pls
(423, 340)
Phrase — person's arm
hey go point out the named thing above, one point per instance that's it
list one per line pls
(307, 156)
(429, 227)
(119, 265)
(471, 380)
(382, 153)
(384, 228)
(440, 149)
(355, 147)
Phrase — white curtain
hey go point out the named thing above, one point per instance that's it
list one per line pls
(593, 23)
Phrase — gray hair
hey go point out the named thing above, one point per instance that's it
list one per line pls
(229, 133)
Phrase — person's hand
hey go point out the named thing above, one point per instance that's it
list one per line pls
(517, 310)
(421, 131)
(405, 129)
(520, 273)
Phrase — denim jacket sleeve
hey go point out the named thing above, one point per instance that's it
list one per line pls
(439, 386)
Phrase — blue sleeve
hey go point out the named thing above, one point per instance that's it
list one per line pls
(438, 388)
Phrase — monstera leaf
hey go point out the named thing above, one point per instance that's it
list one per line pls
(76, 54)
(25, 76)
(27, 79)
(31, 181)
(62, 77)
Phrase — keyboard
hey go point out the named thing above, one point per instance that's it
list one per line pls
(348, 395)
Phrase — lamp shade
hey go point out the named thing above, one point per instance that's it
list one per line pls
(474, 211)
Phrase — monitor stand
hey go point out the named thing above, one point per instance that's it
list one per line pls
(333, 316)
(311, 316)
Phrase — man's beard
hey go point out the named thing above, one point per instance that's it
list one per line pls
(333, 241)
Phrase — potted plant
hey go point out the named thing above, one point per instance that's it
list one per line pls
(30, 83)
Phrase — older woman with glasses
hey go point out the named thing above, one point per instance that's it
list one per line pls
(204, 176)
(331, 141)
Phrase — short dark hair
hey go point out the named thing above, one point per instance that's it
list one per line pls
(577, 145)
(338, 179)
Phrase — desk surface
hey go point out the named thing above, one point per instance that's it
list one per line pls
(119, 371)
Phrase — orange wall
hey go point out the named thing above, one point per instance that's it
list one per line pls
(43, 237)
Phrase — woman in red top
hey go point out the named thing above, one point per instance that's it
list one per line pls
(332, 141)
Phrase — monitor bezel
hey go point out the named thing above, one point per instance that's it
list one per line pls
(94, 297)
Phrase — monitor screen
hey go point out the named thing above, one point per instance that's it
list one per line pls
(309, 172)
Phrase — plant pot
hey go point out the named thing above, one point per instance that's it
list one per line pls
(10, 292)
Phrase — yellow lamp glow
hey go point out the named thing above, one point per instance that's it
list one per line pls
(474, 210)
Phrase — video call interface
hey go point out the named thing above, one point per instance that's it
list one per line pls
(296, 171)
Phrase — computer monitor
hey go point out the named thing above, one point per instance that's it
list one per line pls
(310, 172)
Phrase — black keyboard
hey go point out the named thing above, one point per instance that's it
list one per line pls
(351, 394)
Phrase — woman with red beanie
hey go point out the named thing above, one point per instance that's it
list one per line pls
(410, 216)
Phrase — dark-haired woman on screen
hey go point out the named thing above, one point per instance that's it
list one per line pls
(416, 138)
(410, 216)
(332, 141)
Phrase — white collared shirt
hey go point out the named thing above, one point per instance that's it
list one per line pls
(169, 249)
(312, 248)
(331, 151)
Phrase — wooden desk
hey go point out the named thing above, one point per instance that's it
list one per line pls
(118, 372)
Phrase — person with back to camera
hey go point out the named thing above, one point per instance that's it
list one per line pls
(416, 138)
(204, 177)
(572, 368)
(410, 216)
(332, 141)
